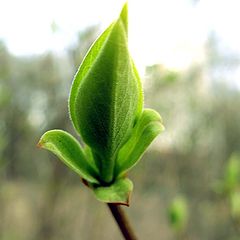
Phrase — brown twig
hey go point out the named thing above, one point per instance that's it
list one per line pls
(122, 221)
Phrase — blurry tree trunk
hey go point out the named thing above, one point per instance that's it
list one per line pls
(14, 121)
(55, 186)
(47, 216)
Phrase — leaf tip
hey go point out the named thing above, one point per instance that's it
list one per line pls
(124, 10)
(39, 144)
(124, 15)
(42, 142)
(85, 182)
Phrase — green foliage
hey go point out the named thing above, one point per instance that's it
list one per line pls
(235, 204)
(146, 129)
(229, 186)
(118, 192)
(178, 213)
(231, 181)
(232, 174)
(68, 149)
(104, 96)
(106, 108)
(232, 184)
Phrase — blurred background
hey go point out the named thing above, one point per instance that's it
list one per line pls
(187, 185)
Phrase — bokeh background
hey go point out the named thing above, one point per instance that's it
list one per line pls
(187, 185)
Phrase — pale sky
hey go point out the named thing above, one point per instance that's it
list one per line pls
(170, 32)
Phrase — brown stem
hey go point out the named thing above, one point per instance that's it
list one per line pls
(122, 221)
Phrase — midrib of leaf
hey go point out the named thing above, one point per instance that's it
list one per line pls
(116, 110)
(113, 87)
(122, 25)
(107, 166)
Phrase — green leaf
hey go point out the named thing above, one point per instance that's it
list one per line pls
(178, 213)
(118, 192)
(106, 97)
(146, 129)
(68, 149)
(235, 204)
(232, 173)
(124, 17)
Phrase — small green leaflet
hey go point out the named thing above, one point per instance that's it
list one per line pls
(68, 149)
(118, 192)
(146, 129)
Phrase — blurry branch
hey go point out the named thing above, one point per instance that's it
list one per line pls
(122, 221)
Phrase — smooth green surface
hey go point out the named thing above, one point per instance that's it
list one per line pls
(119, 192)
(67, 148)
(178, 213)
(235, 204)
(232, 174)
(145, 131)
